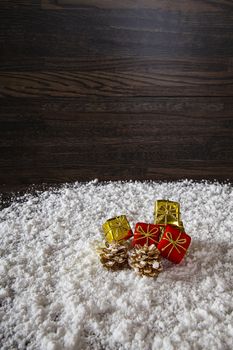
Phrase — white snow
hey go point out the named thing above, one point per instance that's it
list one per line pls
(54, 294)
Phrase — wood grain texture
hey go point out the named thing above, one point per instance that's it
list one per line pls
(150, 79)
(141, 138)
(164, 52)
(115, 90)
(181, 5)
(87, 32)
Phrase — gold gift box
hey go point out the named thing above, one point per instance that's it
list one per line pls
(117, 229)
(167, 212)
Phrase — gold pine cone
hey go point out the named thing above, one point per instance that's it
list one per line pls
(114, 255)
(145, 260)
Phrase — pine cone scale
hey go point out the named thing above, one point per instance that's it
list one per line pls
(145, 260)
(114, 255)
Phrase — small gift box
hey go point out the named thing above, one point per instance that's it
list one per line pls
(117, 229)
(174, 244)
(146, 234)
(167, 212)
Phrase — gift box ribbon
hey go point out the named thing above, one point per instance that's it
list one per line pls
(174, 244)
(147, 235)
(169, 209)
(119, 225)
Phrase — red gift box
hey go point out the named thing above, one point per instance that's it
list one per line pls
(174, 244)
(146, 234)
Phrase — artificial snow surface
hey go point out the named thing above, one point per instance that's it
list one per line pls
(54, 294)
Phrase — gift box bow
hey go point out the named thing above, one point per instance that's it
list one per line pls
(119, 225)
(146, 234)
(165, 211)
(175, 244)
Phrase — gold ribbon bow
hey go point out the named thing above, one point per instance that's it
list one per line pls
(168, 209)
(118, 227)
(148, 234)
(174, 244)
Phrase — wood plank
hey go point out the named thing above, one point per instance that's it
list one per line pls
(148, 81)
(114, 155)
(95, 32)
(17, 109)
(198, 170)
(174, 5)
(80, 139)
(114, 63)
(183, 5)
(116, 130)
(62, 131)
(20, 4)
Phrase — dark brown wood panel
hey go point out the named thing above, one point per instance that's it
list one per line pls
(182, 5)
(69, 107)
(87, 32)
(197, 66)
(127, 138)
(19, 179)
(116, 90)
(152, 79)
(20, 4)
(167, 51)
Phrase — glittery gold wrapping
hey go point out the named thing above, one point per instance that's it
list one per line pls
(117, 229)
(167, 212)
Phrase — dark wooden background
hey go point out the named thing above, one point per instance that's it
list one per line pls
(116, 90)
